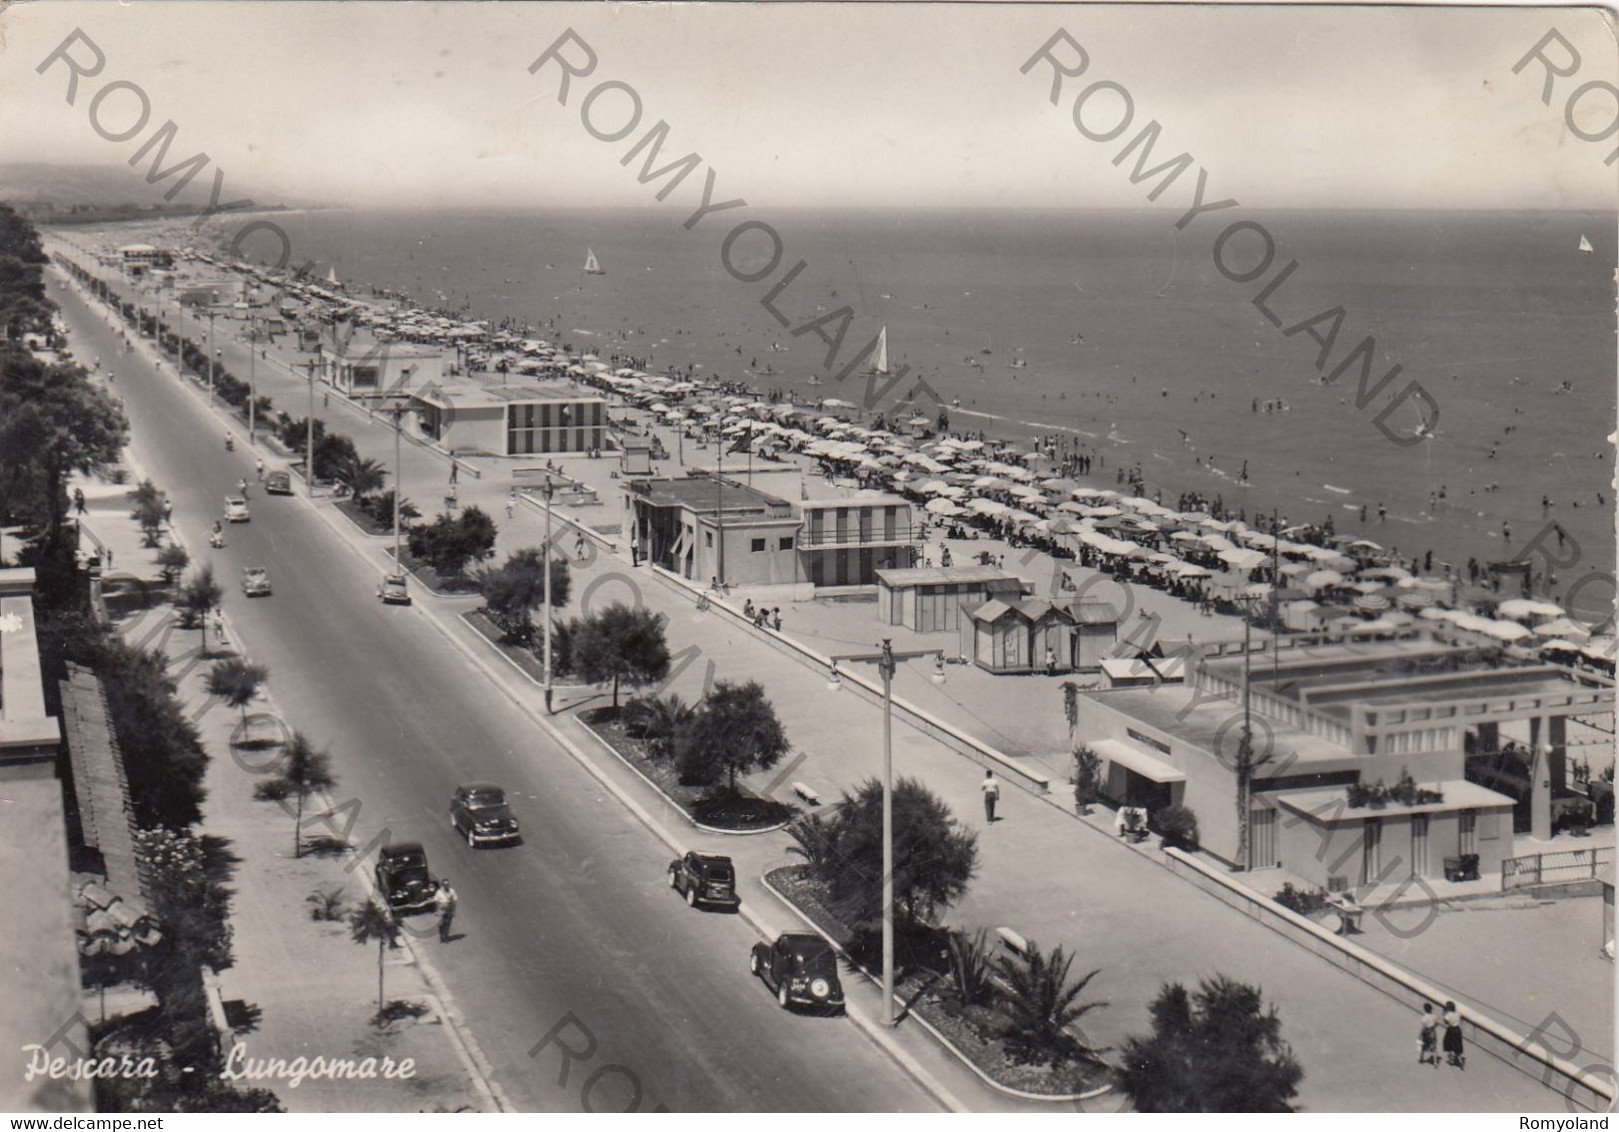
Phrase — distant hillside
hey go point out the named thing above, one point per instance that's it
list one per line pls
(120, 188)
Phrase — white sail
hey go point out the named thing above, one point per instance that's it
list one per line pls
(331, 277)
(592, 267)
(1585, 245)
(880, 362)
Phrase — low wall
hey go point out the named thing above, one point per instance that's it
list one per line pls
(1582, 1086)
(857, 683)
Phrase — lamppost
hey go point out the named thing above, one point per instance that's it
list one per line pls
(309, 439)
(211, 356)
(887, 662)
(550, 490)
(398, 471)
(252, 382)
(1246, 762)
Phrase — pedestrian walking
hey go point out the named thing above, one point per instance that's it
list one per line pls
(1454, 1053)
(579, 546)
(775, 619)
(511, 505)
(258, 469)
(1051, 661)
(445, 901)
(991, 787)
(168, 509)
(1428, 1037)
(78, 499)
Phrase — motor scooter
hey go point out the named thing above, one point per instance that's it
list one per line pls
(230, 444)
(216, 539)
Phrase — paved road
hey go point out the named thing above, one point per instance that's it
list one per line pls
(577, 921)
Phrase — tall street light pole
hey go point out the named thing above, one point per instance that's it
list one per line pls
(252, 383)
(309, 439)
(887, 662)
(398, 471)
(210, 356)
(550, 490)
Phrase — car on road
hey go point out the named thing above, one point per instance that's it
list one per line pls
(705, 878)
(393, 591)
(278, 483)
(236, 509)
(402, 878)
(256, 581)
(801, 968)
(478, 812)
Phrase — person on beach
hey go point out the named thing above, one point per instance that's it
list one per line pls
(992, 793)
(1454, 1053)
(1428, 1037)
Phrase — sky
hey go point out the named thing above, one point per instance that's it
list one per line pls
(791, 104)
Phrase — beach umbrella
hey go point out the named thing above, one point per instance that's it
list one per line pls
(1392, 573)
(1519, 608)
(987, 507)
(1241, 559)
(1506, 630)
(1321, 579)
(1293, 569)
(941, 507)
(1414, 600)
(1371, 603)
(1562, 627)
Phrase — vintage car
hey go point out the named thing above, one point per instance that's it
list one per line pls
(402, 878)
(704, 878)
(801, 968)
(393, 591)
(256, 581)
(236, 509)
(278, 483)
(478, 812)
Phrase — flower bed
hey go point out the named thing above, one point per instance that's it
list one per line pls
(747, 813)
(351, 511)
(977, 1032)
(432, 579)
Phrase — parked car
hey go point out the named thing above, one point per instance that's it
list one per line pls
(278, 483)
(236, 509)
(801, 968)
(256, 581)
(704, 878)
(478, 812)
(402, 877)
(392, 590)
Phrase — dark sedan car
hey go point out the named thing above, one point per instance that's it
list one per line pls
(801, 968)
(402, 878)
(478, 812)
(278, 483)
(705, 878)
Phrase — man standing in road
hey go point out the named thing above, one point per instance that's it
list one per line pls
(991, 787)
(444, 900)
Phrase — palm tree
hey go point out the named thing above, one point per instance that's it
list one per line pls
(305, 771)
(969, 965)
(656, 719)
(1044, 1003)
(371, 921)
(815, 840)
(236, 681)
(362, 476)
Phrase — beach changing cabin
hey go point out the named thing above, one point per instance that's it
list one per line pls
(1034, 635)
(933, 599)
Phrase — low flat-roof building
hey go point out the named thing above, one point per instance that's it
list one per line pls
(364, 367)
(1329, 724)
(517, 419)
(705, 528)
(931, 599)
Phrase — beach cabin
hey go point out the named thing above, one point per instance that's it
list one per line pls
(635, 456)
(1095, 631)
(1143, 671)
(996, 637)
(932, 599)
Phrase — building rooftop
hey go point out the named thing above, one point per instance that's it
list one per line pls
(701, 496)
(41, 987)
(946, 576)
(27, 733)
(864, 498)
(1215, 725)
(446, 393)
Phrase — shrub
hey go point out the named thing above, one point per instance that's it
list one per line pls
(1177, 825)
(1304, 901)
(1087, 779)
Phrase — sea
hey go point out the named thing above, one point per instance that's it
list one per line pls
(1120, 334)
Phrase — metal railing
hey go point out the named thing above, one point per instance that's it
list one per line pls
(1563, 867)
(854, 536)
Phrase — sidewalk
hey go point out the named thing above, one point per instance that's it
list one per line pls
(297, 987)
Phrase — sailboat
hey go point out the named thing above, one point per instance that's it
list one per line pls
(879, 362)
(1585, 245)
(331, 277)
(592, 267)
